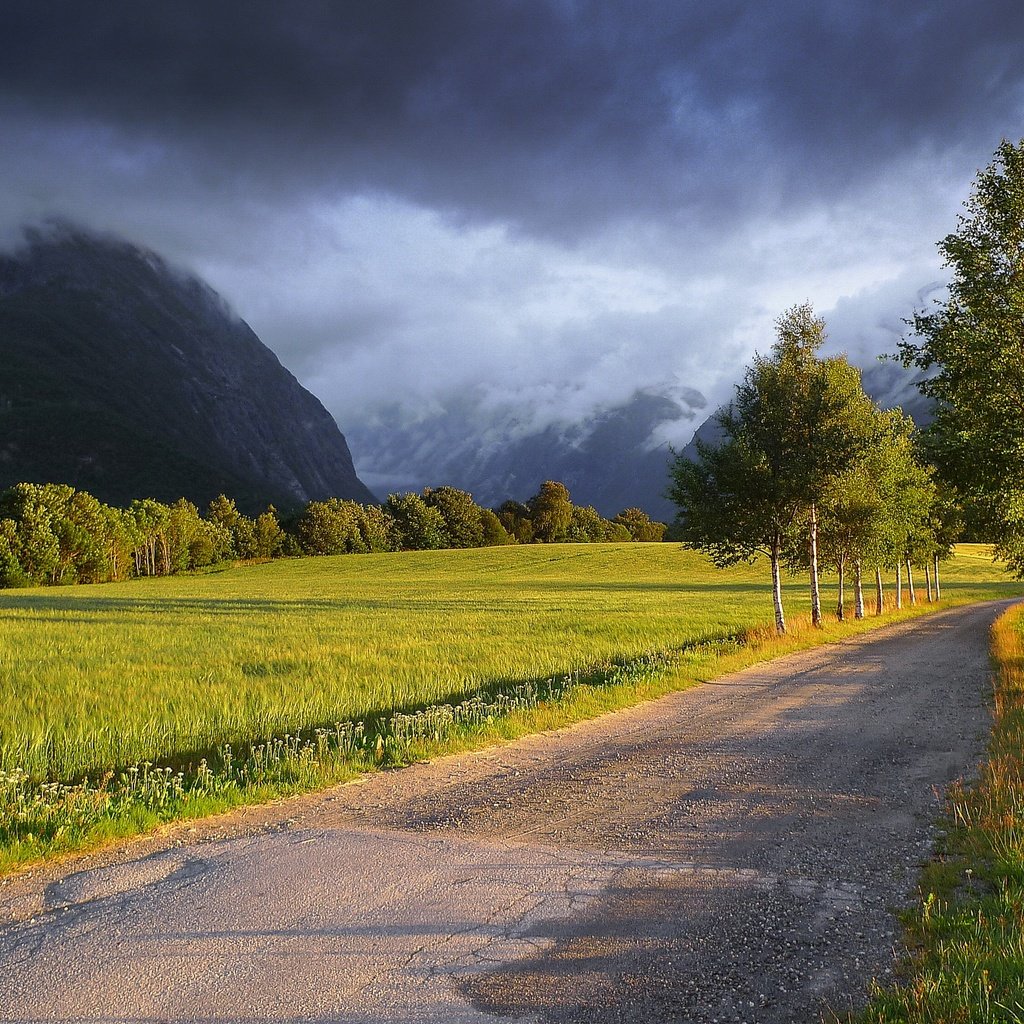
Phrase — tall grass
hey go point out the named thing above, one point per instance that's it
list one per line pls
(398, 653)
(967, 934)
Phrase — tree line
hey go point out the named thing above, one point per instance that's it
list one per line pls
(55, 534)
(810, 472)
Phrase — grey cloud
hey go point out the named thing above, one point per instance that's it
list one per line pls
(545, 205)
(554, 115)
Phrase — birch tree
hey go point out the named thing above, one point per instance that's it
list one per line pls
(796, 422)
(734, 505)
(972, 345)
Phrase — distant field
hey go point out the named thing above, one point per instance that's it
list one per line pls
(102, 676)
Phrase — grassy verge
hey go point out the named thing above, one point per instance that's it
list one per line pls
(40, 819)
(966, 936)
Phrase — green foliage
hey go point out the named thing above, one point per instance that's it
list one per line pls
(11, 572)
(879, 508)
(494, 533)
(640, 525)
(972, 346)
(550, 512)
(377, 528)
(616, 533)
(797, 431)
(462, 523)
(269, 537)
(332, 527)
(419, 527)
(586, 526)
(238, 529)
(517, 520)
(51, 533)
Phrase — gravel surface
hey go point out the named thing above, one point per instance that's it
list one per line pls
(731, 853)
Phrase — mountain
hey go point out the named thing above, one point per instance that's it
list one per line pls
(129, 378)
(613, 458)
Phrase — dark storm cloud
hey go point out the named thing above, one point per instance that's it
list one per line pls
(549, 204)
(555, 115)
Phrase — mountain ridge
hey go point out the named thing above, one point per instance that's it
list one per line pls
(129, 378)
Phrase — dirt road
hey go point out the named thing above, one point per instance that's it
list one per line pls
(731, 853)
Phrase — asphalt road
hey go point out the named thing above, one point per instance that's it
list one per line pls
(731, 853)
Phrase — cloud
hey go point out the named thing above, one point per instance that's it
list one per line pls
(549, 204)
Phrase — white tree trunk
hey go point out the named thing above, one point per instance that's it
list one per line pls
(815, 593)
(910, 583)
(928, 582)
(858, 590)
(899, 585)
(879, 602)
(935, 571)
(780, 615)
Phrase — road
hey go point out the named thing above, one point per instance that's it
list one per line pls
(730, 853)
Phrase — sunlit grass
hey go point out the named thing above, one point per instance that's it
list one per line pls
(258, 681)
(100, 677)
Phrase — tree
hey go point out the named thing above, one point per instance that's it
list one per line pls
(418, 527)
(515, 518)
(268, 535)
(640, 525)
(946, 524)
(796, 422)
(460, 513)
(816, 416)
(871, 508)
(550, 512)
(733, 504)
(586, 525)
(11, 572)
(494, 533)
(149, 521)
(331, 528)
(972, 345)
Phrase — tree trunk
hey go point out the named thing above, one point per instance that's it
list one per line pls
(928, 582)
(815, 593)
(899, 585)
(910, 583)
(858, 590)
(935, 573)
(780, 616)
(841, 566)
(879, 603)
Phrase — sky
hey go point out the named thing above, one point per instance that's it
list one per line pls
(543, 203)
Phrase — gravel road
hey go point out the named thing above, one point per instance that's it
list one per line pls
(731, 853)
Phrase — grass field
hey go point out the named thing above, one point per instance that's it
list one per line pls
(124, 706)
(101, 677)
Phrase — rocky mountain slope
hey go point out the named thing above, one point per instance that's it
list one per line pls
(125, 377)
(612, 459)
(616, 457)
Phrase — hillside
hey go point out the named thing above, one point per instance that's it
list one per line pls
(128, 378)
(613, 458)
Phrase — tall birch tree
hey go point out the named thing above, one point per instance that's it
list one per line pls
(972, 345)
(795, 423)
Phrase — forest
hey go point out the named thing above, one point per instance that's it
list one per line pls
(53, 534)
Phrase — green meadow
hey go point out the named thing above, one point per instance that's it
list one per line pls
(101, 677)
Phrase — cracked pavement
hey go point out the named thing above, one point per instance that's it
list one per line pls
(731, 853)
